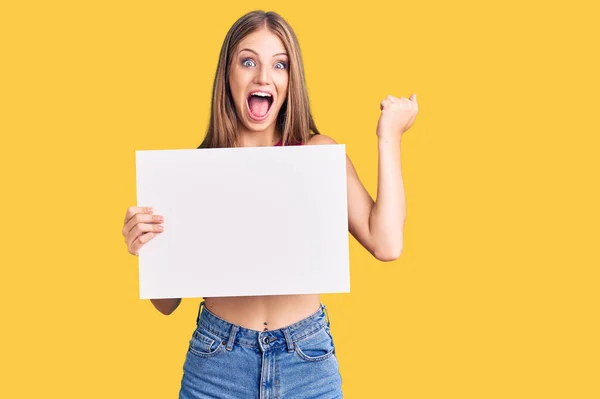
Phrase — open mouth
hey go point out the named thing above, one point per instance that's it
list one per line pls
(259, 105)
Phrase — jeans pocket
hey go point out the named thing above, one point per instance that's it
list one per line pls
(205, 343)
(315, 347)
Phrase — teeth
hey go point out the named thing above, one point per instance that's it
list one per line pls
(261, 94)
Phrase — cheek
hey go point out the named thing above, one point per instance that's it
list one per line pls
(236, 88)
(282, 87)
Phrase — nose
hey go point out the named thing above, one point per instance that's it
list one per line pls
(262, 75)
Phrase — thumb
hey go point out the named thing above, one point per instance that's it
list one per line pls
(384, 104)
(413, 97)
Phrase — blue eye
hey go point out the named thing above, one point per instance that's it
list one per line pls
(283, 65)
(244, 63)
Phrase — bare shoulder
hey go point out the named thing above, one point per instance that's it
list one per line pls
(320, 139)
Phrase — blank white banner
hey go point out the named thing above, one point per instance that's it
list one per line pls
(245, 221)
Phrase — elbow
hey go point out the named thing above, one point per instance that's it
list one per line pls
(166, 312)
(388, 254)
(386, 244)
(166, 306)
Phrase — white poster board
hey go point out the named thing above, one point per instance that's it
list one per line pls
(245, 221)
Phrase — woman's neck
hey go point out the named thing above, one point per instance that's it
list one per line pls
(265, 138)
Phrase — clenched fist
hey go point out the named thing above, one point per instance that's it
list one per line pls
(140, 226)
(397, 116)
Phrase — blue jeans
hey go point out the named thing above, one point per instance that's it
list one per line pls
(227, 361)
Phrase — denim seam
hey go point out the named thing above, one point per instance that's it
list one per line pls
(208, 328)
(300, 325)
(204, 354)
(289, 342)
(239, 342)
(304, 356)
(231, 339)
(309, 334)
(201, 337)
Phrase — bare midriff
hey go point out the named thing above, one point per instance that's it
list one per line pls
(269, 312)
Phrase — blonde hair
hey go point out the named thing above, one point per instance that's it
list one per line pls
(294, 120)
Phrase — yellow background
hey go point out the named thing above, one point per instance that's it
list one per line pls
(496, 292)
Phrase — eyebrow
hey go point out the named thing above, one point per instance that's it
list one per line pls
(252, 51)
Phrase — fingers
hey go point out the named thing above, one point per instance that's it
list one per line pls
(140, 226)
(133, 210)
(140, 229)
(403, 101)
(413, 99)
(385, 103)
(140, 218)
(137, 244)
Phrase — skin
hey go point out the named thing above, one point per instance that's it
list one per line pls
(259, 64)
(376, 225)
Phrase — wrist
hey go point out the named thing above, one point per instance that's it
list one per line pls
(386, 141)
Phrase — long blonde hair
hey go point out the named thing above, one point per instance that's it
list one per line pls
(294, 120)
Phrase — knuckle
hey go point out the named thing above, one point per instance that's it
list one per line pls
(138, 229)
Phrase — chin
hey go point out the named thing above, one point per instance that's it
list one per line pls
(256, 127)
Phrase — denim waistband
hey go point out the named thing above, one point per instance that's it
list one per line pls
(269, 339)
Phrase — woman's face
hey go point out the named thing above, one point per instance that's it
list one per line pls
(258, 79)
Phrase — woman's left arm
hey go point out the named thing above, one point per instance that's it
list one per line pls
(378, 225)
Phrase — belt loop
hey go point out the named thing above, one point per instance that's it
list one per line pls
(199, 308)
(288, 339)
(324, 309)
(232, 333)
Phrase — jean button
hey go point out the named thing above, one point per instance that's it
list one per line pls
(265, 340)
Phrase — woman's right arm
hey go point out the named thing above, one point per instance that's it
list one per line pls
(140, 226)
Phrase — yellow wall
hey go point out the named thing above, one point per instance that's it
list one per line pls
(496, 292)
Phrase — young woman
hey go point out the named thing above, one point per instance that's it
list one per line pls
(278, 346)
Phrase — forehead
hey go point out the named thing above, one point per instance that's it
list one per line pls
(263, 42)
